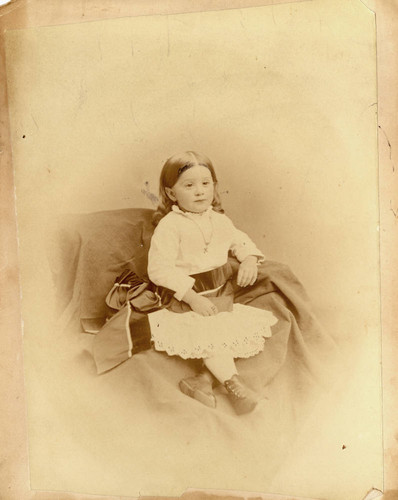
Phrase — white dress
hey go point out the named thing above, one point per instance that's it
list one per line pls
(184, 244)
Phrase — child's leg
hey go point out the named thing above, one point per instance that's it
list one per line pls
(200, 387)
(222, 366)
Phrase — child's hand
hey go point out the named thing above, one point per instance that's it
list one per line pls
(247, 273)
(199, 304)
(204, 306)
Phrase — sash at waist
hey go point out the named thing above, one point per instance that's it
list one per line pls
(146, 296)
(213, 279)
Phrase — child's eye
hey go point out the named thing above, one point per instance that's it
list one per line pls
(188, 185)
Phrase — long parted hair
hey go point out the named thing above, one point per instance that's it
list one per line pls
(172, 169)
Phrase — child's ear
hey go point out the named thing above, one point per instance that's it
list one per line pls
(170, 194)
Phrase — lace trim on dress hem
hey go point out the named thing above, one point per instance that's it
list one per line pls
(208, 353)
(244, 348)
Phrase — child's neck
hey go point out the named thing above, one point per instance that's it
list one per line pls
(194, 213)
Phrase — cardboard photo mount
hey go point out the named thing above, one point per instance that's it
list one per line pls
(14, 480)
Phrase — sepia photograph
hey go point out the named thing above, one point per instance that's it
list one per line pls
(198, 228)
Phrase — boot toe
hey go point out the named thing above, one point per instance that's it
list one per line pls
(201, 392)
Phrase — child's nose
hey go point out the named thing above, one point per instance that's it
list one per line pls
(199, 189)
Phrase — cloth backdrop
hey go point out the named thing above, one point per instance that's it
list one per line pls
(87, 252)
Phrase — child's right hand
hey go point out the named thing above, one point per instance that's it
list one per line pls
(199, 304)
(203, 306)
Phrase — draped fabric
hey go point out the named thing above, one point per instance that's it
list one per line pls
(136, 404)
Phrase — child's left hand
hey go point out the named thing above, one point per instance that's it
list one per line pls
(247, 273)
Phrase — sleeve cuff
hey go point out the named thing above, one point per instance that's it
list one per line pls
(184, 287)
(242, 253)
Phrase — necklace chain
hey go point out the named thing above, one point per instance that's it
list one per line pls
(207, 241)
(192, 217)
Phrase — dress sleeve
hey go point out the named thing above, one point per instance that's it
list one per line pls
(242, 246)
(162, 257)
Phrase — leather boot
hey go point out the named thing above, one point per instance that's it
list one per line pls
(200, 387)
(243, 399)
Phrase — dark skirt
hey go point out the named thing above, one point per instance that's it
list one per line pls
(146, 318)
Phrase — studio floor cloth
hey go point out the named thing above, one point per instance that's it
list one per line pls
(135, 410)
(137, 433)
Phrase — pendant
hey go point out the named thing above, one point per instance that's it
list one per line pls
(205, 250)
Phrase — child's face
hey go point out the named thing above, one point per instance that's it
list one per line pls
(194, 190)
